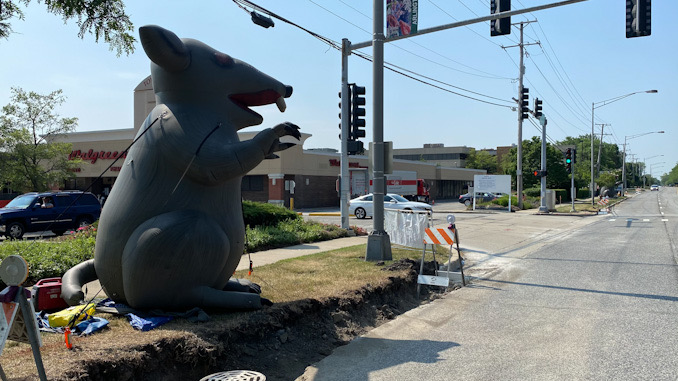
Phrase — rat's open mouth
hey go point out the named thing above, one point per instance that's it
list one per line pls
(261, 98)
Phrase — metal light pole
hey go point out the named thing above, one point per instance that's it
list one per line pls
(653, 164)
(624, 156)
(594, 106)
(645, 159)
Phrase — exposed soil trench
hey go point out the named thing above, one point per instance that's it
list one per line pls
(278, 341)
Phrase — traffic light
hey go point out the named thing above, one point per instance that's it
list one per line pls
(638, 15)
(524, 102)
(357, 112)
(355, 147)
(502, 26)
(568, 160)
(349, 112)
(540, 173)
(537, 108)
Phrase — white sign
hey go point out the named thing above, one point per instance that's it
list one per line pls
(433, 280)
(492, 183)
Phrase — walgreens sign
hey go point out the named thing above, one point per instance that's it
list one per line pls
(92, 156)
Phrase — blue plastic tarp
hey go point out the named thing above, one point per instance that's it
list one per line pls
(147, 323)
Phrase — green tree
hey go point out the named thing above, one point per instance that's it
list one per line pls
(671, 177)
(481, 160)
(30, 162)
(607, 179)
(103, 18)
(557, 175)
(610, 158)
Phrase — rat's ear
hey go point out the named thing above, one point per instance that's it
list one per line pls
(164, 48)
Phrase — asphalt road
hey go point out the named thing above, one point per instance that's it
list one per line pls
(595, 302)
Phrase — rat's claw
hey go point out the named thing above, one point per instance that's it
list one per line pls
(287, 128)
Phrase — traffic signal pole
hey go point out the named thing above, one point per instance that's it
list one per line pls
(543, 208)
(519, 168)
(378, 242)
(344, 187)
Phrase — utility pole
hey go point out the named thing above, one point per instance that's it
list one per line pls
(600, 145)
(519, 164)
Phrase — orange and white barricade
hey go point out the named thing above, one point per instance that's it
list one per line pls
(440, 236)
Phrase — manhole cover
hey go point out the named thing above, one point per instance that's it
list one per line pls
(235, 375)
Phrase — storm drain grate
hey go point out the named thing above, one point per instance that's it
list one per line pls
(235, 375)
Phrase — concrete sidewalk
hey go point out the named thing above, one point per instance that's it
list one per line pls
(266, 257)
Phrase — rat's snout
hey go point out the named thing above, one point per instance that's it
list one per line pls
(288, 91)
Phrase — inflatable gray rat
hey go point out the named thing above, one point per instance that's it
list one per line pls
(172, 232)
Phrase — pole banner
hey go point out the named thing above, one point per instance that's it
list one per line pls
(401, 17)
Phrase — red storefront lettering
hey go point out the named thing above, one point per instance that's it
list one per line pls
(93, 156)
(337, 163)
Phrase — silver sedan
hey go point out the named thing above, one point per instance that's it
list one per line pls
(362, 207)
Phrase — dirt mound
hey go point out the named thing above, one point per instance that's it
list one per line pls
(279, 341)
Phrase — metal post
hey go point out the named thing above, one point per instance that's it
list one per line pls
(378, 243)
(593, 184)
(344, 188)
(459, 258)
(32, 331)
(543, 208)
(572, 191)
(624, 175)
(600, 148)
(519, 165)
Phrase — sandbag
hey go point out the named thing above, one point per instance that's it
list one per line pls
(66, 317)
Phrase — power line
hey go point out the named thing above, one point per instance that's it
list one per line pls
(387, 65)
(555, 91)
(551, 107)
(486, 74)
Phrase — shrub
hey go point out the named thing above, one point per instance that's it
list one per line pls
(263, 214)
(561, 194)
(51, 258)
(531, 192)
(288, 233)
(583, 193)
(503, 200)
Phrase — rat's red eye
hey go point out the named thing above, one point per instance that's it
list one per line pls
(223, 59)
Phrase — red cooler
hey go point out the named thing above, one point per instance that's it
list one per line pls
(46, 295)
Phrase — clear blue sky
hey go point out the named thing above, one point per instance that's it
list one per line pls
(584, 57)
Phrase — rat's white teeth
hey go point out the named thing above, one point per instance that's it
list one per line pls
(280, 102)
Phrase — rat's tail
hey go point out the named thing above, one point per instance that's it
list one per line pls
(74, 279)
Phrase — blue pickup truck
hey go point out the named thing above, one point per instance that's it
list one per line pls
(56, 211)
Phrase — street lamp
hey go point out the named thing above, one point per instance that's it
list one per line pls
(645, 159)
(653, 164)
(595, 105)
(624, 155)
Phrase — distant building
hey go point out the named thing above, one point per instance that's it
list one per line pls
(437, 154)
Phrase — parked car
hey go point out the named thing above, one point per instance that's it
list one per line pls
(467, 199)
(654, 187)
(56, 211)
(362, 207)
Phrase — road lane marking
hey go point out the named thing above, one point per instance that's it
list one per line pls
(665, 220)
(646, 220)
(613, 220)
